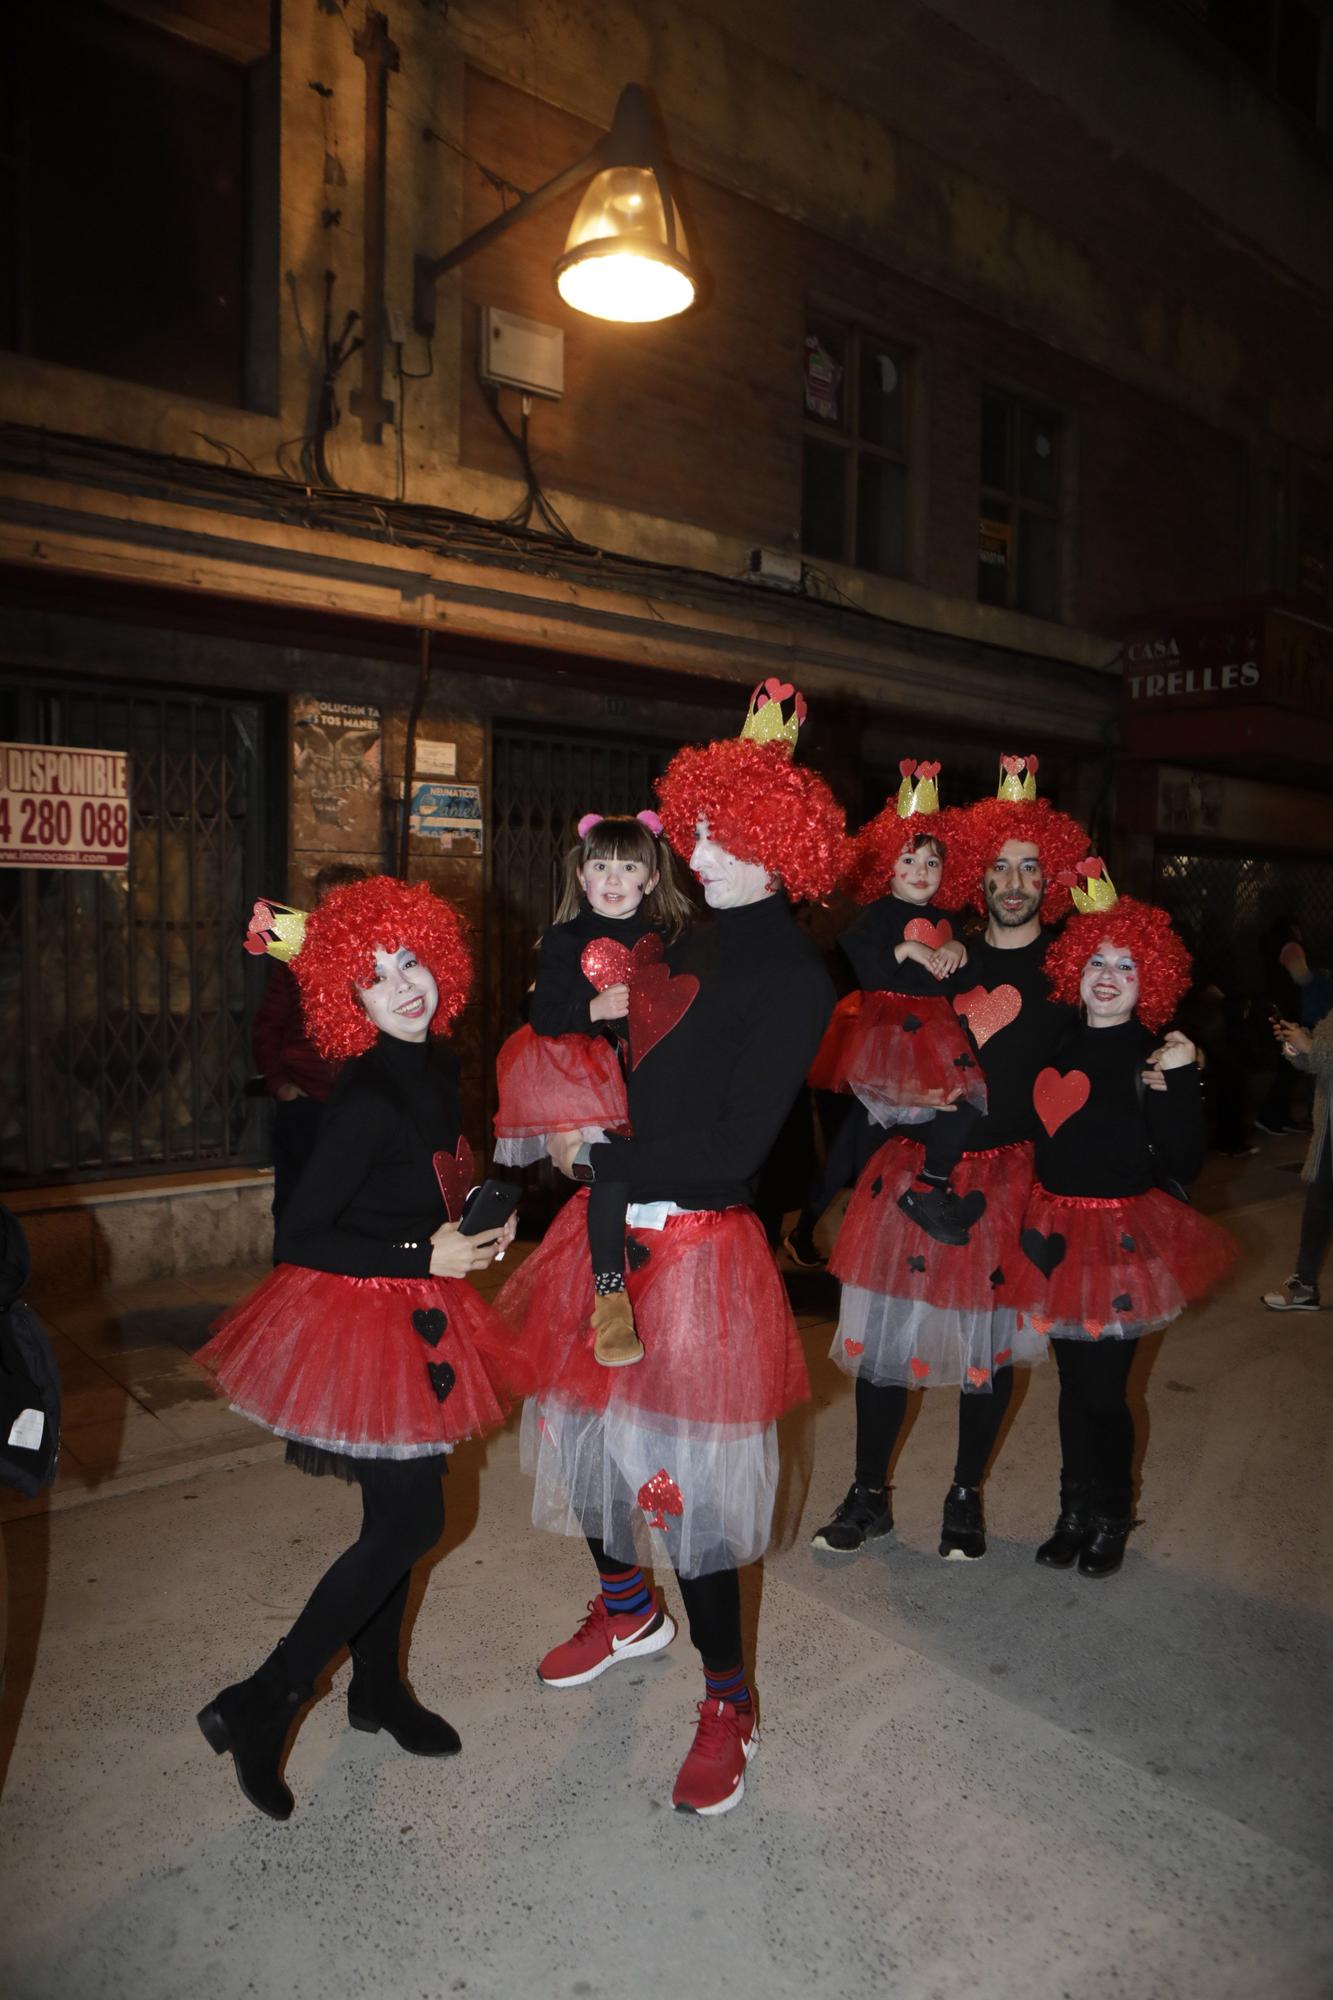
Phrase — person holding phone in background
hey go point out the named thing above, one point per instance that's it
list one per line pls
(365, 1348)
(1311, 1050)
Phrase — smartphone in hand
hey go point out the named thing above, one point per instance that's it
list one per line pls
(489, 1207)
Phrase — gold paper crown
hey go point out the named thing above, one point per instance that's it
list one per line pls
(918, 792)
(275, 928)
(764, 721)
(1018, 780)
(1100, 892)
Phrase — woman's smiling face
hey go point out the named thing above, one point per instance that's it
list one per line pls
(1109, 988)
(401, 998)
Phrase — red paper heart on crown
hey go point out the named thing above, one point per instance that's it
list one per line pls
(777, 690)
(456, 1173)
(1011, 765)
(988, 1010)
(1094, 866)
(907, 765)
(1057, 1097)
(927, 770)
(919, 931)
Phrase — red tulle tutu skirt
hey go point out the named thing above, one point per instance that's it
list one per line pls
(555, 1083)
(720, 1345)
(826, 1071)
(366, 1367)
(924, 1314)
(902, 1046)
(1095, 1269)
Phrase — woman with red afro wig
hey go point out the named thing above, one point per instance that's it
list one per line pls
(1110, 1248)
(365, 1348)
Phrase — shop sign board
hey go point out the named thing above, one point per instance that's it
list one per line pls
(62, 807)
(449, 813)
(1258, 653)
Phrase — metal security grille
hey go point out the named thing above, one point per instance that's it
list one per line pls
(542, 783)
(124, 1043)
(1225, 902)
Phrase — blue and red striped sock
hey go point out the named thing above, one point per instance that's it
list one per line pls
(729, 1684)
(625, 1593)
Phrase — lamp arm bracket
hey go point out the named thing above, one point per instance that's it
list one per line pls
(428, 270)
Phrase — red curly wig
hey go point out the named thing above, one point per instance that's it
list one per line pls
(977, 834)
(876, 848)
(338, 954)
(1145, 933)
(759, 806)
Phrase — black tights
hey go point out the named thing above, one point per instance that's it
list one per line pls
(360, 1599)
(881, 1407)
(1096, 1424)
(712, 1605)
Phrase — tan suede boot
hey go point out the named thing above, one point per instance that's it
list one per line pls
(615, 1342)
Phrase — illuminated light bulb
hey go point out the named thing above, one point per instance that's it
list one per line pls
(625, 258)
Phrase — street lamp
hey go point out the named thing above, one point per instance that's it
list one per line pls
(625, 257)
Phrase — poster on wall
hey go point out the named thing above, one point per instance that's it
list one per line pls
(63, 807)
(336, 760)
(450, 814)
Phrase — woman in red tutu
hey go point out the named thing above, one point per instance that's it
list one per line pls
(365, 1348)
(620, 905)
(679, 1454)
(1108, 1250)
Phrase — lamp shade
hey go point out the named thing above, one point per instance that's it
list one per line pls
(626, 257)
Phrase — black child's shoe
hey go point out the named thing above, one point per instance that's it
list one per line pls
(962, 1532)
(863, 1517)
(936, 1210)
(252, 1719)
(382, 1700)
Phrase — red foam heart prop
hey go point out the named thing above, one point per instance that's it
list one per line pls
(456, 1173)
(1058, 1097)
(920, 931)
(988, 1010)
(919, 1367)
(976, 1376)
(855, 1346)
(657, 1003)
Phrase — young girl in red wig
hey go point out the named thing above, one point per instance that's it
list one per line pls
(1110, 1248)
(620, 905)
(679, 1454)
(365, 1348)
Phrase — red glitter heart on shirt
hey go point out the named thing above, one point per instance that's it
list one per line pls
(988, 1010)
(607, 962)
(921, 931)
(456, 1173)
(1058, 1097)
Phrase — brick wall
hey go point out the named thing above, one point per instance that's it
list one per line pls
(700, 419)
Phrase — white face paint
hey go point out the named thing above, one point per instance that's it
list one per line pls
(728, 884)
(402, 997)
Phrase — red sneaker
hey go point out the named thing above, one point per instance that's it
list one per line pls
(712, 1778)
(602, 1640)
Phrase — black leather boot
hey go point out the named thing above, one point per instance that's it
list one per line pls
(1073, 1527)
(378, 1698)
(252, 1719)
(963, 1532)
(1104, 1550)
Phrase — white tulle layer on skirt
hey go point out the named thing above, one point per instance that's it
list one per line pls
(526, 1152)
(652, 1488)
(921, 1346)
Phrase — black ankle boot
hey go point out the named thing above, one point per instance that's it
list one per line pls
(252, 1719)
(963, 1533)
(1073, 1527)
(1104, 1550)
(863, 1517)
(379, 1699)
(936, 1210)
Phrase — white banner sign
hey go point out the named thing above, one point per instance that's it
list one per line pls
(63, 808)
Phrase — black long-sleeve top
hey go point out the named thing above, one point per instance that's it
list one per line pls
(870, 941)
(1108, 1146)
(708, 1100)
(563, 992)
(370, 1187)
(1012, 1055)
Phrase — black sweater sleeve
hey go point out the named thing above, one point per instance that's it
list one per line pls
(358, 1127)
(1176, 1124)
(871, 941)
(562, 994)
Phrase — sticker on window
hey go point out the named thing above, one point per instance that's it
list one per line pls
(823, 379)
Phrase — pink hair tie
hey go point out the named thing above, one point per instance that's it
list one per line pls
(651, 821)
(587, 823)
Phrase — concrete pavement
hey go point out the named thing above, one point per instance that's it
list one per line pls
(975, 1780)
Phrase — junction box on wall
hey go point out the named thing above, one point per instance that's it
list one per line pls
(517, 353)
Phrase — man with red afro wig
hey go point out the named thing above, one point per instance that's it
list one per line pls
(677, 1456)
(918, 1312)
